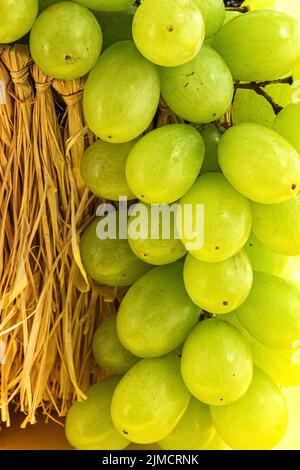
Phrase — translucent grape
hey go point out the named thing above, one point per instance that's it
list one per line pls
(164, 164)
(211, 136)
(162, 249)
(287, 124)
(278, 225)
(213, 12)
(116, 26)
(121, 94)
(227, 219)
(109, 261)
(216, 363)
(106, 5)
(156, 314)
(89, 425)
(259, 45)
(271, 311)
(248, 106)
(103, 169)
(108, 351)
(150, 400)
(218, 287)
(200, 91)
(16, 18)
(258, 420)
(259, 163)
(168, 32)
(193, 432)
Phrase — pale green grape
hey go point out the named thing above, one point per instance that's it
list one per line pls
(218, 287)
(213, 12)
(109, 261)
(259, 163)
(150, 400)
(271, 311)
(259, 45)
(121, 94)
(156, 314)
(116, 26)
(106, 5)
(227, 219)
(211, 136)
(264, 259)
(156, 242)
(278, 225)
(258, 420)
(89, 425)
(164, 164)
(65, 41)
(103, 169)
(289, 7)
(248, 106)
(287, 124)
(168, 32)
(216, 363)
(16, 18)
(108, 351)
(194, 431)
(200, 91)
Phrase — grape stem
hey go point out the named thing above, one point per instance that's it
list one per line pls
(240, 9)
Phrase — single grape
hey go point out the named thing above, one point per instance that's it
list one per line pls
(259, 45)
(278, 225)
(258, 420)
(259, 163)
(157, 243)
(65, 41)
(108, 351)
(156, 314)
(226, 223)
(211, 136)
(287, 124)
(213, 12)
(194, 431)
(103, 169)
(121, 94)
(89, 425)
(150, 400)
(164, 164)
(271, 311)
(248, 106)
(168, 32)
(218, 287)
(216, 363)
(16, 18)
(116, 26)
(200, 91)
(109, 261)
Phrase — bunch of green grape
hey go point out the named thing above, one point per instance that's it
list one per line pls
(208, 331)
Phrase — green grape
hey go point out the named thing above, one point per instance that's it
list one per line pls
(150, 400)
(278, 225)
(258, 420)
(248, 106)
(159, 243)
(227, 219)
(194, 431)
(287, 124)
(211, 136)
(109, 261)
(108, 351)
(213, 12)
(121, 94)
(218, 287)
(200, 91)
(216, 363)
(156, 314)
(103, 169)
(164, 164)
(16, 18)
(271, 311)
(259, 45)
(89, 425)
(264, 259)
(116, 26)
(65, 41)
(259, 163)
(289, 7)
(168, 32)
(106, 5)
